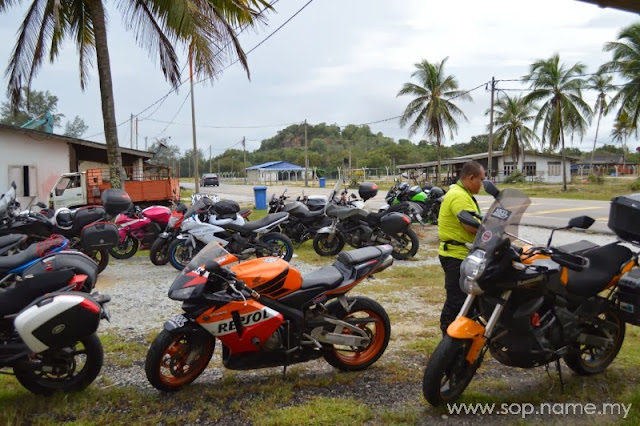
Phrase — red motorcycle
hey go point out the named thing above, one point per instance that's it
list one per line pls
(138, 229)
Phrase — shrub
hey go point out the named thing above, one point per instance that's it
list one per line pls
(599, 179)
(515, 177)
(635, 186)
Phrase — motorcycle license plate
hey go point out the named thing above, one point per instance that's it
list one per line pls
(178, 320)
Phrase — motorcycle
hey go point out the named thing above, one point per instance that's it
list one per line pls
(87, 228)
(429, 198)
(360, 228)
(266, 314)
(532, 305)
(48, 332)
(220, 222)
(159, 251)
(138, 229)
(302, 223)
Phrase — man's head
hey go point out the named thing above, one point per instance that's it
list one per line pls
(472, 175)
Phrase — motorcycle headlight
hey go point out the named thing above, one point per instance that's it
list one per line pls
(172, 221)
(471, 287)
(475, 264)
(182, 294)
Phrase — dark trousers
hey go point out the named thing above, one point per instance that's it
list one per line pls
(455, 297)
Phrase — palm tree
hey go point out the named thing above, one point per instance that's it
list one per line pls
(559, 90)
(623, 127)
(626, 61)
(431, 107)
(511, 116)
(601, 83)
(206, 25)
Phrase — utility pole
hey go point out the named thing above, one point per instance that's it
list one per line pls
(244, 148)
(196, 173)
(218, 166)
(490, 159)
(136, 132)
(145, 143)
(131, 132)
(306, 156)
(209, 158)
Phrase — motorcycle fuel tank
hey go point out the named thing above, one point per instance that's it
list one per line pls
(269, 276)
(157, 213)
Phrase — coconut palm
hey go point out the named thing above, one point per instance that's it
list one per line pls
(626, 61)
(205, 25)
(559, 90)
(601, 83)
(511, 116)
(431, 107)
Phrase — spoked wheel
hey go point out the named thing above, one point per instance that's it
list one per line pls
(328, 244)
(588, 359)
(405, 245)
(125, 249)
(279, 245)
(448, 373)
(69, 369)
(369, 316)
(181, 253)
(177, 359)
(101, 257)
(159, 251)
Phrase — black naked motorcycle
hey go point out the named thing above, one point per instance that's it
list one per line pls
(360, 228)
(303, 223)
(533, 305)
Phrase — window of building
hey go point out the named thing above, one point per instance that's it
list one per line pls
(555, 168)
(26, 179)
(509, 168)
(529, 168)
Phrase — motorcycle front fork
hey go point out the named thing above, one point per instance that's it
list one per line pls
(495, 315)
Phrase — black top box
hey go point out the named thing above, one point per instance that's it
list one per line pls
(367, 190)
(624, 217)
(226, 209)
(116, 201)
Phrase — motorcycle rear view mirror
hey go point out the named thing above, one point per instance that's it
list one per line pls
(41, 205)
(490, 188)
(468, 218)
(581, 222)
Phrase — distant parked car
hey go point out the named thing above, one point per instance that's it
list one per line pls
(209, 179)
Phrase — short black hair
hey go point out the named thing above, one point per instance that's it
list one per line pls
(471, 168)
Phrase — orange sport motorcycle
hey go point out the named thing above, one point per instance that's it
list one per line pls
(266, 315)
(534, 305)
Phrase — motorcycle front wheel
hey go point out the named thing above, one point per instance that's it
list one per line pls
(588, 359)
(69, 369)
(159, 251)
(279, 245)
(101, 257)
(181, 253)
(125, 249)
(176, 359)
(448, 373)
(368, 315)
(328, 244)
(405, 245)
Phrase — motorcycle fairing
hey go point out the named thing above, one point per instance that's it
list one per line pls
(269, 276)
(465, 328)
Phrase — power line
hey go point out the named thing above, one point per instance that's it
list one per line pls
(227, 127)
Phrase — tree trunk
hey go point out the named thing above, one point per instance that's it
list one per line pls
(594, 143)
(439, 160)
(106, 93)
(564, 159)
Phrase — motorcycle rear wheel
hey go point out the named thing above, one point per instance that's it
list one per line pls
(368, 315)
(159, 251)
(448, 373)
(69, 369)
(101, 257)
(279, 246)
(588, 360)
(405, 245)
(176, 359)
(328, 244)
(125, 249)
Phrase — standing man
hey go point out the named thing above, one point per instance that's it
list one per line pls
(453, 235)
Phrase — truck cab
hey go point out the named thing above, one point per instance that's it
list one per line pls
(69, 191)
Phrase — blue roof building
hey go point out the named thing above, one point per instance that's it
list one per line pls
(274, 171)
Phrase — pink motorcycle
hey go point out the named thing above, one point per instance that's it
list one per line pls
(139, 229)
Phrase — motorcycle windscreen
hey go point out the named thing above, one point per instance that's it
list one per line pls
(211, 252)
(504, 215)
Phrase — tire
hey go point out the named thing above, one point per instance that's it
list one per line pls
(448, 373)
(588, 360)
(159, 251)
(70, 369)
(328, 244)
(405, 245)
(279, 246)
(165, 363)
(101, 257)
(126, 249)
(350, 359)
(180, 254)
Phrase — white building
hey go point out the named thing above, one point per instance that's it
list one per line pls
(34, 160)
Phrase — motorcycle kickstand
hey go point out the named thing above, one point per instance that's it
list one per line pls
(559, 370)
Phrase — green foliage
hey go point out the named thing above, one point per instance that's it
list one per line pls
(635, 186)
(596, 179)
(515, 177)
(32, 104)
(75, 128)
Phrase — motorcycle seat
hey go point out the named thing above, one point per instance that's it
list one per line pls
(252, 226)
(14, 299)
(361, 255)
(324, 278)
(605, 263)
(10, 262)
(11, 240)
(344, 213)
(310, 213)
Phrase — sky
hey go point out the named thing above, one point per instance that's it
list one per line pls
(336, 61)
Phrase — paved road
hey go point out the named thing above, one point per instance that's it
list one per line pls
(543, 212)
